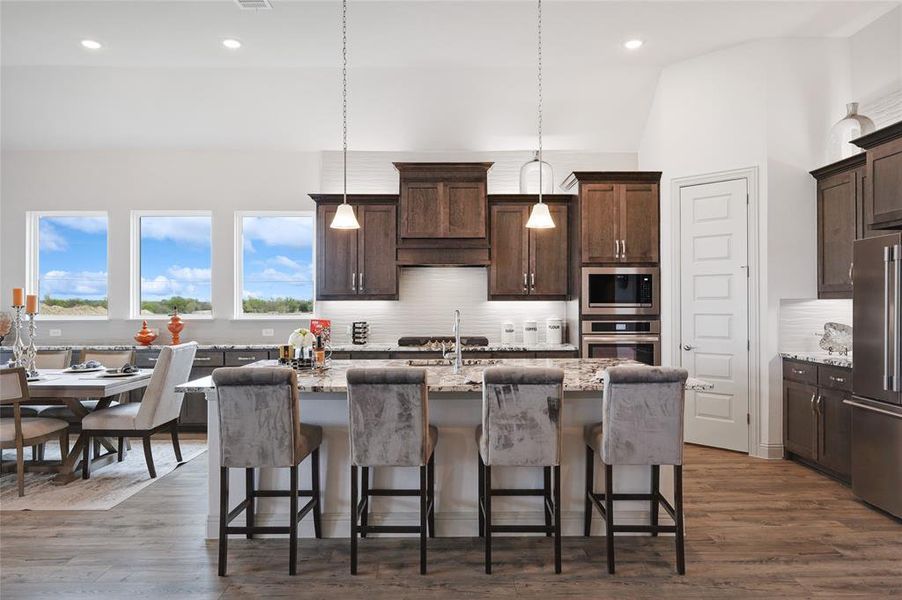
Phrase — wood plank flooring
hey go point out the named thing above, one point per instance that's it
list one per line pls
(756, 529)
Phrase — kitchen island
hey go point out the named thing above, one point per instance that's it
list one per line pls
(455, 407)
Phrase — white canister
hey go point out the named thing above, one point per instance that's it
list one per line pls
(530, 333)
(508, 332)
(554, 331)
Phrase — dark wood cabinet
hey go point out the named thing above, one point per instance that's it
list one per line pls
(799, 419)
(600, 222)
(421, 209)
(883, 177)
(639, 223)
(442, 200)
(528, 263)
(834, 433)
(357, 264)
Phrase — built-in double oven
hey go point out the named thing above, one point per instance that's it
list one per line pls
(625, 340)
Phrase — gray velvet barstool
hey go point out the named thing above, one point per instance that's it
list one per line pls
(260, 427)
(389, 427)
(521, 427)
(642, 425)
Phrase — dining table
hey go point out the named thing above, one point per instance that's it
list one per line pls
(69, 388)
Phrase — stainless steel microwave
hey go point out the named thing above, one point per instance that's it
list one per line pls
(621, 291)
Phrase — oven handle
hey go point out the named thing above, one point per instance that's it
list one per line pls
(621, 339)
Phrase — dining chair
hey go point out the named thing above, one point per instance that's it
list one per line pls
(21, 431)
(158, 410)
(53, 359)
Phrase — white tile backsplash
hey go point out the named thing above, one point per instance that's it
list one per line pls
(801, 319)
(428, 297)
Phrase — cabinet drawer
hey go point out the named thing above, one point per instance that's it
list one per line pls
(239, 358)
(203, 358)
(146, 359)
(836, 378)
(802, 372)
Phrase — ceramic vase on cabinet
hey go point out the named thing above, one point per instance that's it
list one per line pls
(175, 327)
(851, 126)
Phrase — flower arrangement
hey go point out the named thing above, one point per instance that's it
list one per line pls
(300, 338)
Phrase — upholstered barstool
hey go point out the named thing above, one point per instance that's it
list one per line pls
(521, 427)
(389, 427)
(260, 427)
(642, 425)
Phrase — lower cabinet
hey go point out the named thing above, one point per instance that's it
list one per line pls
(799, 419)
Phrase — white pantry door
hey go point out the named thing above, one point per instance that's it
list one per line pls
(714, 303)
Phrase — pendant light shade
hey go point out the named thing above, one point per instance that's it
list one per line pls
(344, 218)
(540, 217)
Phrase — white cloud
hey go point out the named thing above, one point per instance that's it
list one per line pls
(83, 224)
(184, 230)
(189, 274)
(284, 261)
(293, 232)
(49, 238)
(85, 284)
(248, 294)
(270, 275)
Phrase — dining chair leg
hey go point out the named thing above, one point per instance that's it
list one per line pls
(353, 519)
(609, 514)
(64, 445)
(590, 489)
(430, 491)
(678, 509)
(148, 457)
(20, 468)
(424, 501)
(546, 499)
(487, 472)
(36, 453)
(481, 493)
(86, 458)
(365, 496)
(317, 508)
(249, 512)
(293, 524)
(174, 430)
(41, 448)
(120, 450)
(655, 492)
(223, 518)
(557, 518)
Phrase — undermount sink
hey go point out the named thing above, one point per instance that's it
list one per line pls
(447, 362)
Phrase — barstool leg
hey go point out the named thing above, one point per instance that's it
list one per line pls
(557, 518)
(655, 496)
(223, 518)
(430, 490)
(353, 519)
(546, 499)
(609, 516)
(249, 512)
(590, 489)
(678, 509)
(293, 524)
(365, 494)
(314, 485)
(487, 486)
(481, 494)
(424, 497)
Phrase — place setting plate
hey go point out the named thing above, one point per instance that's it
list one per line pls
(91, 370)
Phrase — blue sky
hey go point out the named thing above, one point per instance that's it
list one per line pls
(175, 257)
(278, 257)
(72, 262)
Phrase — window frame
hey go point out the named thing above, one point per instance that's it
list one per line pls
(134, 300)
(238, 279)
(32, 258)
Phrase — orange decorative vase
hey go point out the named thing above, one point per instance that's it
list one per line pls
(146, 336)
(175, 327)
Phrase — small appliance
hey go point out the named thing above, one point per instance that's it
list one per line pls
(620, 291)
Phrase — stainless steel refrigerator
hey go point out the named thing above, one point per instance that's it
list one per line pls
(877, 372)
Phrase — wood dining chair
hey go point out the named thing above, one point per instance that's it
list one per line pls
(158, 410)
(18, 432)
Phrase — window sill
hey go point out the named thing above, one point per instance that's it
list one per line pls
(167, 317)
(42, 318)
(272, 317)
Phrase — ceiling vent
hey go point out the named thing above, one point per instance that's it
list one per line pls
(254, 4)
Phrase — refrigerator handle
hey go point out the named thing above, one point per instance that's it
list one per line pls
(887, 264)
(897, 318)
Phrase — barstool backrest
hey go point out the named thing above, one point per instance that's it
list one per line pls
(643, 415)
(388, 417)
(259, 416)
(521, 416)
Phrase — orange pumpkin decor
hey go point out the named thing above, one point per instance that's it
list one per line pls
(175, 327)
(146, 336)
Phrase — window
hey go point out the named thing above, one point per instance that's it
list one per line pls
(67, 263)
(274, 263)
(171, 263)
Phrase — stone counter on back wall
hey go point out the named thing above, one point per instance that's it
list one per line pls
(373, 347)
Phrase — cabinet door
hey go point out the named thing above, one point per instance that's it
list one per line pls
(421, 209)
(600, 219)
(194, 406)
(336, 257)
(509, 270)
(834, 432)
(865, 214)
(548, 256)
(376, 251)
(884, 188)
(465, 209)
(639, 223)
(835, 234)
(799, 419)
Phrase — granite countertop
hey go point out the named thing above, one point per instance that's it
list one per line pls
(374, 347)
(821, 358)
(580, 375)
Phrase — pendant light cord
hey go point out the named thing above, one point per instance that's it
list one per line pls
(344, 95)
(541, 161)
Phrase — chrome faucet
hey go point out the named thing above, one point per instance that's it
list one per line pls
(458, 357)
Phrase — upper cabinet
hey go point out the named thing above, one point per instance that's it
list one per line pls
(357, 264)
(619, 216)
(883, 177)
(529, 263)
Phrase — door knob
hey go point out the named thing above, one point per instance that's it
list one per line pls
(688, 347)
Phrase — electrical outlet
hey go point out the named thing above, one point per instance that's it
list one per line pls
(54, 332)
(268, 332)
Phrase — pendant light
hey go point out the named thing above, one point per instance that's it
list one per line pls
(540, 217)
(344, 217)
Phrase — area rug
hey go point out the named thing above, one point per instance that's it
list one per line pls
(107, 487)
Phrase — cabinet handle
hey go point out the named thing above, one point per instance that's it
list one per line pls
(622, 248)
(851, 269)
(616, 248)
(813, 396)
(246, 358)
(361, 282)
(799, 371)
(525, 282)
(353, 282)
(820, 405)
(838, 379)
(533, 281)
(201, 359)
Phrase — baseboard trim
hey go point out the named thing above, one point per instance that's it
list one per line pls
(770, 451)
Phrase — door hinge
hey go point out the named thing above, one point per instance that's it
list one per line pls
(747, 199)
(748, 345)
(748, 418)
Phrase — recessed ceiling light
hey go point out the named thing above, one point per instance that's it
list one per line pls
(633, 44)
(231, 44)
(91, 44)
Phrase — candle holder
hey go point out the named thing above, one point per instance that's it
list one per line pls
(19, 349)
(31, 353)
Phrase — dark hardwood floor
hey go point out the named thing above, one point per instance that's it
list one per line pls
(754, 529)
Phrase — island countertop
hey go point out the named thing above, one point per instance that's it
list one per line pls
(580, 375)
